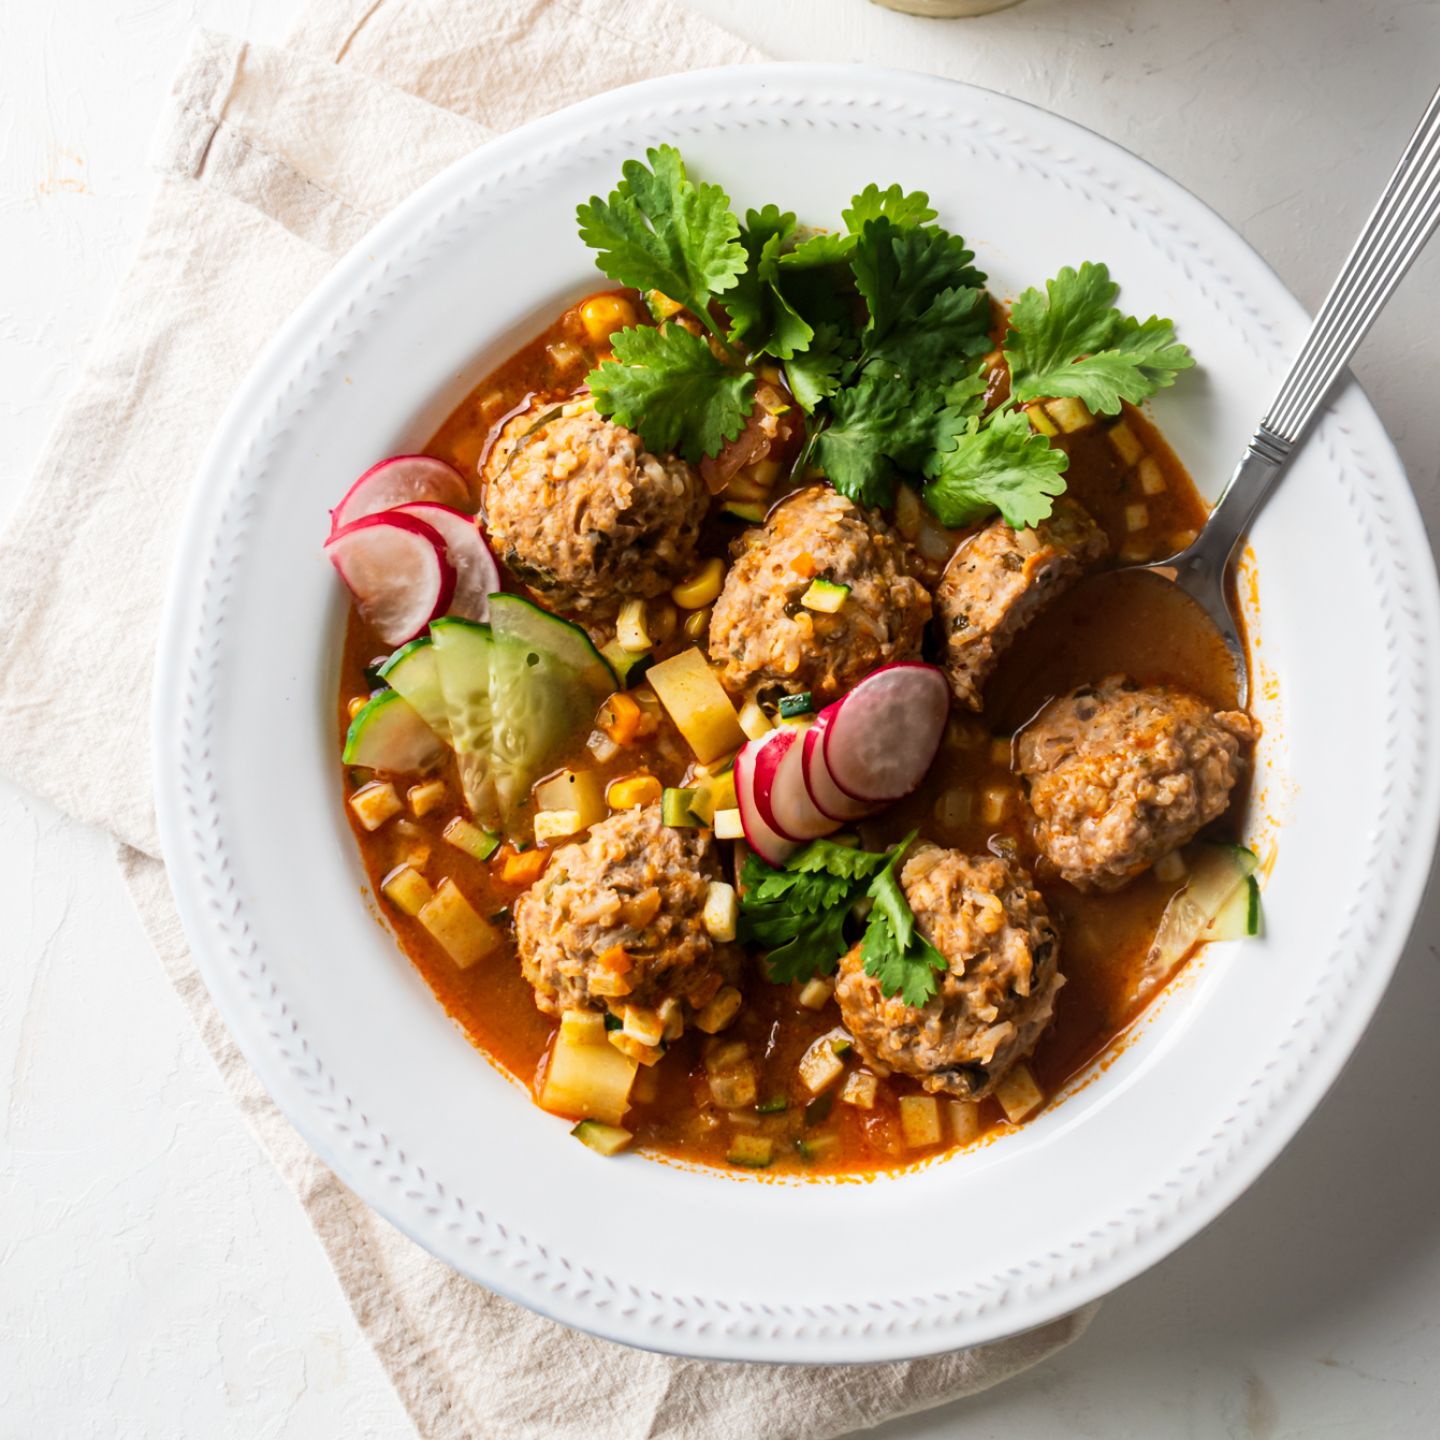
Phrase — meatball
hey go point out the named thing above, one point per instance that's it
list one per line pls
(986, 918)
(1121, 774)
(762, 637)
(633, 885)
(997, 583)
(583, 515)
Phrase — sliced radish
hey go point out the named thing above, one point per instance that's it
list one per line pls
(881, 737)
(772, 847)
(477, 577)
(791, 809)
(827, 797)
(396, 569)
(400, 480)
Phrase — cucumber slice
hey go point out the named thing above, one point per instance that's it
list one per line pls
(462, 651)
(388, 734)
(513, 618)
(412, 671)
(1221, 877)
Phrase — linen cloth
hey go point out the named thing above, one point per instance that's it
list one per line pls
(272, 162)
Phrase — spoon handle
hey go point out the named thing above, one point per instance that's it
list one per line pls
(1402, 221)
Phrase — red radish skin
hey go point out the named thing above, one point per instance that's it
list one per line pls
(772, 847)
(881, 737)
(827, 797)
(477, 577)
(400, 480)
(788, 804)
(396, 568)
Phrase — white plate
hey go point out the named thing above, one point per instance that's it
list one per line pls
(351, 1043)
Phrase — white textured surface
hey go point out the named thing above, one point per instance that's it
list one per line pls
(156, 1278)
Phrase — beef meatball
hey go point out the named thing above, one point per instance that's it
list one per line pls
(1120, 774)
(763, 638)
(633, 885)
(985, 916)
(583, 515)
(999, 580)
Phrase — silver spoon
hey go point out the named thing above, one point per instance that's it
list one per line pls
(1396, 232)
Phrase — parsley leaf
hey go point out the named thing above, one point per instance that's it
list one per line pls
(998, 464)
(661, 231)
(667, 385)
(894, 951)
(1073, 341)
(894, 204)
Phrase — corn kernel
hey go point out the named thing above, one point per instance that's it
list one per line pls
(356, 705)
(1152, 477)
(702, 586)
(603, 315)
(374, 804)
(1129, 449)
(715, 1016)
(721, 915)
(697, 624)
(632, 792)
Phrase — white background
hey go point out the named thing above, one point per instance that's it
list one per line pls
(156, 1279)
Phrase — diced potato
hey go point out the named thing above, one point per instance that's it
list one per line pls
(1152, 477)
(603, 1139)
(1019, 1094)
(407, 889)
(672, 1019)
(583, 1027)
(721, 915)
(464, 835)
(715, 1016)
(700, 708)
(553, 825)
(753, 1151)
(728, 825)
(643, 1025)
(920, 1120)
(964, 1120)
(1127, 446)
(860, 1089)
(646, 1087)
(1069, 413)
(722, 1055)
(637, 1050)
(452, 921)
(995, 804)
(427, 797)
(589, 1081)
(1137, 517)
(816, 992)
(820, 1067)
(1001, 749)
(610, 985)
(577, 790)
(1040, 421)
(734, 1089)
(754, 721)
(954, 807)
(375, 803)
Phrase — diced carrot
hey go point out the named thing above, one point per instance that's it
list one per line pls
(620, 718)
(804, 565)
(616, 959)
(524, 868)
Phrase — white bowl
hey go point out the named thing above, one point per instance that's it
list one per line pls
(346, 1035)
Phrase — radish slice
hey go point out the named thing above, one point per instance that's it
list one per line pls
(400, 480)
(477, 577)
(881, 737)
(788, 805)
(827, 797)
(396, 569)
(772, 847)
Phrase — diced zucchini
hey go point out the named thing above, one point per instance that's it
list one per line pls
(1018, 1094)
(792, 706)
(412, 672)
(728, 825)
(752, 512)
(715, 1016)
(589, 1081)
(1239, 917)
(387, 734)
(629, 665)
(583, 1027)
(754, 1152)
(375, 803)
(700, 708)
(462, 656)
(672, 1019)
(920, 1120)
(816, 1148)
(721, 915)
(603, 1139)
(817, 1112)
(453, 923)
(1217, 873)
(754, 721)
(466, 836)
(675, 808)
(579, 790)
(776, 1105)
(825, 596)
(407, 889)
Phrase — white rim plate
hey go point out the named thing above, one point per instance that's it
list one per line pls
(349, 1041)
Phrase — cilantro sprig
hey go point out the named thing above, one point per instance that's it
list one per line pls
(882, 330)
(800, 916)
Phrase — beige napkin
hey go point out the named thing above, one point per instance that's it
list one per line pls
(272, 162)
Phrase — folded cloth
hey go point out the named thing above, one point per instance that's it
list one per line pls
(272, 162)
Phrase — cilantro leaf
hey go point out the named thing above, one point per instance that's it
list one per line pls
(900, 272)
(894, 951)
(999, 465)
(941, 340)
(894, 204)
(667, 385)
(854, 449)
(831, 858)
(827, 247)
(1073, 341)
(660, 231)
(813, 374)
(759, 312)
